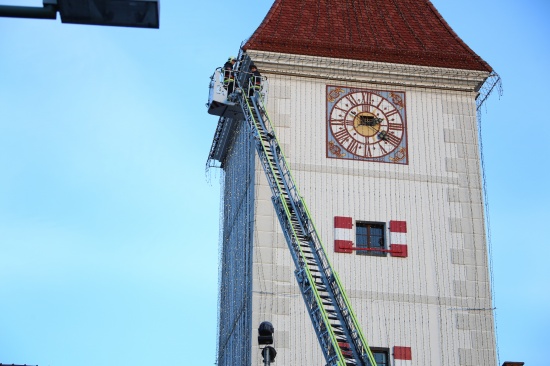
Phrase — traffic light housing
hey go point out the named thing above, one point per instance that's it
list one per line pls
(265, 333)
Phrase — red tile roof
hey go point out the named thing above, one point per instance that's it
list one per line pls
(408, 32)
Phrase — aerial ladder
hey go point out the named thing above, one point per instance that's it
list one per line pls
(329, 308)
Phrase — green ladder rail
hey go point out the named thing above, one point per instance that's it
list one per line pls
(329, 308)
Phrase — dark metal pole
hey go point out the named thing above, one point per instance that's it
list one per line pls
(49, 11)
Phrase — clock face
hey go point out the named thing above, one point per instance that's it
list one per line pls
(364, 124)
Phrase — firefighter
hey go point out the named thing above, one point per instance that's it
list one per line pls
(229, 74)
(255, 80)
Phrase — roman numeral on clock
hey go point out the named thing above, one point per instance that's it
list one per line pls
(395, 126)
(353, 146)
(352, 99)
(337, 122)
(367, 97)
(340, 108)
(341, 135)
(368, 151)
(391, 113)
(392, 139)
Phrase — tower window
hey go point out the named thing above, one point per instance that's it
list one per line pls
(381, 356)
(370, 235)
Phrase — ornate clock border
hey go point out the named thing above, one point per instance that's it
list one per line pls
(366, 125)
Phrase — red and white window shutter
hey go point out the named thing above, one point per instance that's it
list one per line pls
(343, 234)
(402, 356)
(398, 238)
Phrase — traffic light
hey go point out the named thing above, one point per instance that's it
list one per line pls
(265, 333)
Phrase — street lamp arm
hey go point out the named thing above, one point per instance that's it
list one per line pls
(118, 13)
(49, 11)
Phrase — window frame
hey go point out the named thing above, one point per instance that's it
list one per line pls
(359, 243)
(385, 351)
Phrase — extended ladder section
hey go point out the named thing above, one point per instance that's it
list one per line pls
(335, 324)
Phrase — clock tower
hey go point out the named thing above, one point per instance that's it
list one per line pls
(374, 104)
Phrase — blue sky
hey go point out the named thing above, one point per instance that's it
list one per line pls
(109, 224)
